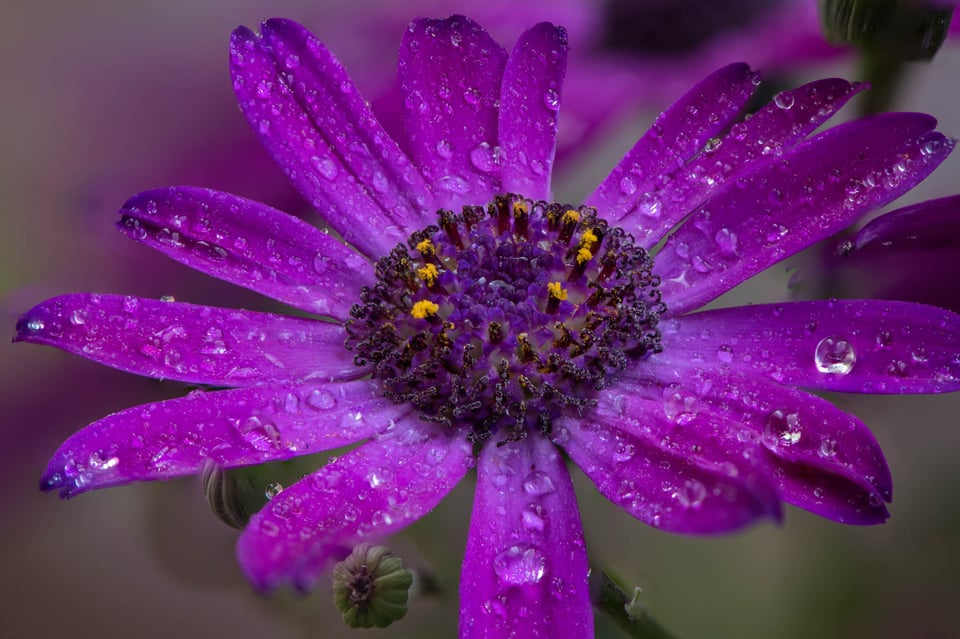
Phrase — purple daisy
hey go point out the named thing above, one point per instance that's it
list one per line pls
(464, 319)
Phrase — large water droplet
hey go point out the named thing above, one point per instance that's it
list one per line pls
(538, 483)
(782, 429)
(325, 166)
(320, 399)
(260, 433)
(834, 355)
(784, 100)
(273, 489)
(520, 564)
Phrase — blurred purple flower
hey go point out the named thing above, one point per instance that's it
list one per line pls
(902, 255)
(485, 325)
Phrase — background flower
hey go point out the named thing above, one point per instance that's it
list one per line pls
(125, 559)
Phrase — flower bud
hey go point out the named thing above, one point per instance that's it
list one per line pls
(370, 587)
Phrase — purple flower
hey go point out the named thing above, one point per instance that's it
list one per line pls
(467, 320)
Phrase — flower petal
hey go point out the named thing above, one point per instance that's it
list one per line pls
(525, 566)
(811, 192)
(236, 427)
(189, 343)
(681, 478)
(450, 73)
(372, 491)
(675, 137)
(529, 102)
(853, 346)
(249, 244)
(765, 135)
(328, 143)
(820, 458)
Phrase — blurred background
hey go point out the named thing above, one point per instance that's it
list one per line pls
(106, 98)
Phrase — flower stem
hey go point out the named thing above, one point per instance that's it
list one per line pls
(626, 611)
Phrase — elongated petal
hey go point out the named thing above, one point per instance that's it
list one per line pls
(813, 191)
(189, 343)
(372, 491)
(684, 478)
(450, 73)
(820, 458)
(675, 137)
(764, 136)
(854, 346)
(529, 104)
(327, 143)
(249, 244)
(229, 428)
(903, 255)
(525, 566)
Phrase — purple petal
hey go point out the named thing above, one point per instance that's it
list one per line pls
(229, 428)
(764, 136)
(450, 73)
(684, 478)
(811, 192)
(372, 491)
(190, 343)
(529, 102)
(820, 458)
(525, 566)
(311, 119)
(675, 137)
(904, 254)
(854, 346)
(249, 244)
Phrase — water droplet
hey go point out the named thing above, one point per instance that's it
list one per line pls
(35, 325)
(445, 149)
(551, 99)
(624, 452)
(472, 96)
(834, 355)
(260, 433)
(79, 316)
(520, 565)
(726, 241)
(538, 483)
(784, 100)
(273, 489)
(320, 399)
(782, 429)
(532, 519)
(167, 298)
(725, 353)
(691, 494)
(484, 157)
(828, 447)
(884, 339)
(628, 185)
(930, 144)
(325, 166)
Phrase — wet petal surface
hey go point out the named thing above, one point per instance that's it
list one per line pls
(450, 73)
(811, 192)
(368, 493)
(251, 245)
(228, 428)
(529, 106)
(190, 343)
(525, 567)
(854, 346)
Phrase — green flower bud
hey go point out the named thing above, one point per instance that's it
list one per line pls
(371, 586)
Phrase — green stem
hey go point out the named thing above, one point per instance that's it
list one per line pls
(627, 612)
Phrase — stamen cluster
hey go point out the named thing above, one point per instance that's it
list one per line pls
(506, 316)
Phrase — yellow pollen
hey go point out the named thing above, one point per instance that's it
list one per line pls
(570, 217)
(588, 239)
(556, 290)
(425, 247)
(584, 255)
(424, 309)
(520, 209)
(428, 274)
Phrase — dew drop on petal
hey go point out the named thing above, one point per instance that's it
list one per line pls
(782, 429)
(520, 564)
(320, 399)
(538, 483)
(691, 494)
(828, 447)
(273, 489)
(834, 355)
(784, 100)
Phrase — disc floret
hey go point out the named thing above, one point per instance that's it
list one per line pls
(504, 317)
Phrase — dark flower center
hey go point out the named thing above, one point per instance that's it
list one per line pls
(677, 26)
(507, 316)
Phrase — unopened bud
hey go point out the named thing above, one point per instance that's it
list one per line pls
(371, 586)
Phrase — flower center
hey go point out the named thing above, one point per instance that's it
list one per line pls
(505, 317)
